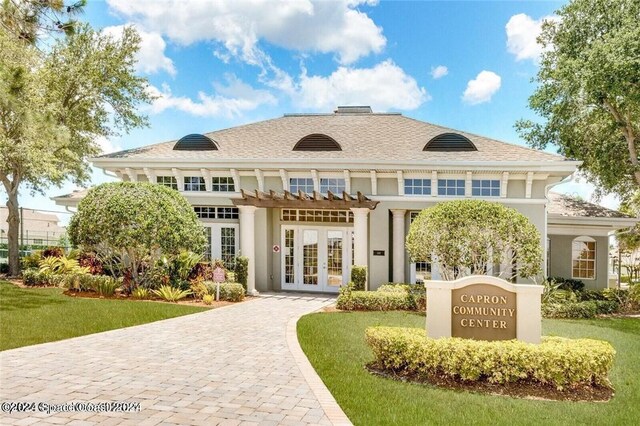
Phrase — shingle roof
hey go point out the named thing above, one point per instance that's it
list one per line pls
(361, 136)
(568, 206)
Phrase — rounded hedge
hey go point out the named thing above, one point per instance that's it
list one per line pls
(465, 236)
(141, 217)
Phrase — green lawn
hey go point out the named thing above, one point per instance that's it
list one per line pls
(334, 343)
(29, 316)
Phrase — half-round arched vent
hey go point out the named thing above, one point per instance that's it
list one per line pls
(195, 142)
(449, 142)
(317, 142)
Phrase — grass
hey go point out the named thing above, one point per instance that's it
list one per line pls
(334, 343)
(30, 316)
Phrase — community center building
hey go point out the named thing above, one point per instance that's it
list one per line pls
(305, 196)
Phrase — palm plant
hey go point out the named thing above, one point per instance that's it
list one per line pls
(171, 294)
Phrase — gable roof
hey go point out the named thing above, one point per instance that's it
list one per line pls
(567, 206)
(362, 136)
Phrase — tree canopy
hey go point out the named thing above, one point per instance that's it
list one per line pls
(468, 237)
(589, 91)
(55, 105)
(137, 224)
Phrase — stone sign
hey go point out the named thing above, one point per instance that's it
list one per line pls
(484, 308)
(483, 311)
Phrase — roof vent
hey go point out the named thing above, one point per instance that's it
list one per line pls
(195, 142)
(353, 110)
(450, 142)
(317, 142)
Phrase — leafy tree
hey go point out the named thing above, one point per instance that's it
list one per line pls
(133, 225)
(629, 239)
(589, 91)
(54, 105)
(468, 236)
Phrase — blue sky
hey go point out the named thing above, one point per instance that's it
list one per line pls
(467, 65)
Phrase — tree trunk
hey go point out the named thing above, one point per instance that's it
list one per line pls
(13, 220)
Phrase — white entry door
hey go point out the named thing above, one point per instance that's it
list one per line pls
(315, 258)
(223, 241)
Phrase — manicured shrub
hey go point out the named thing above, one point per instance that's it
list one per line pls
(463, 237)
(135, 224)
(607, 307)
(232, 292)
(587, 309)
(556, 361)
(242, 270)
(359, 277)
(374, 301)
(33, 277)
(416, 292)
(171, 294)
(591, 295)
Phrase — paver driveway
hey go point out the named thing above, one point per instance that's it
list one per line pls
(224, 366)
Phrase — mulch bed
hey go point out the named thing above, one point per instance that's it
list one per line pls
(523, 390)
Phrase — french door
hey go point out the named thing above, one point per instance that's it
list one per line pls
(315, 258)
(223, 241)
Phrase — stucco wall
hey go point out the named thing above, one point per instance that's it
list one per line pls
(560, 263)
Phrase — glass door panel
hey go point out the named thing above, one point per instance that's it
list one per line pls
(228, 243)
(335, 258)
(310, 257)
(289, 256)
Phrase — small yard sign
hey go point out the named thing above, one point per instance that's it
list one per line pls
(219, 276)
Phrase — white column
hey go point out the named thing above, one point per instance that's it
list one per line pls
(398, 245)
(361, 236)
(248, 244)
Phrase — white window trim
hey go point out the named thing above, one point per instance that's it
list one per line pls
(586, 239)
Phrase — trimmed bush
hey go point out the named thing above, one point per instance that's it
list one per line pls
(556, 361)
(35, 277)
(374, 301)
(416, 292)
(242, 270)
(586, 309)
(231, 292)
(359, 277)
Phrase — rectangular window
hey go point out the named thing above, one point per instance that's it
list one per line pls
(208, 212)
(222, 184)
(417, 187)
(194, 183)
(451, 187)
(485, 188)
(228, 246)
(583, 257)
(326, 216)
(301, 184)
(169, 181)
(422, 269)
(336, 186)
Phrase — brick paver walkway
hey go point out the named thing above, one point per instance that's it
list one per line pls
(226, 366)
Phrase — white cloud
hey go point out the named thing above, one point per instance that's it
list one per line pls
(482, 88)
(238, 25)
(150, 58)
(230, 100)
(383, 87)
(439, 71)
(107, 146)
(581, 188)
(522, 33)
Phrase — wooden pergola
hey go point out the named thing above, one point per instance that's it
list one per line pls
(303, 200)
